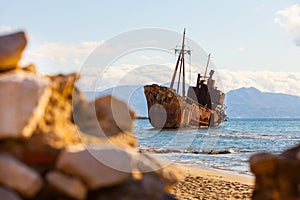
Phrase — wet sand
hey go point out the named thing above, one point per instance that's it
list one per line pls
(201, 183)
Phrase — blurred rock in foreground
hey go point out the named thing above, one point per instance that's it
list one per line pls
(277, 177)
(11, 48)
(54, 144)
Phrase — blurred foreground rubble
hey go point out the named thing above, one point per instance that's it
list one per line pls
(57, 145)
(277, 176)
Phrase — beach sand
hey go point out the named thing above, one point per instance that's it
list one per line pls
(201, 183)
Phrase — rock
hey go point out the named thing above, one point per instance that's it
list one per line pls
(64, 84)
(84, 116)
(40, 139)
(263, 163)
(134, 189)
(292, 153)
(56, 128)
(39, 154)
(276, 176)
(24, 98)
(106, 117)
(29, 68)
(11, 48)
(154, 188)
(7, 194)
(13, 147)
(18, 176)
(68, 185)
(167, 173)
(98, 167)
(114, 116)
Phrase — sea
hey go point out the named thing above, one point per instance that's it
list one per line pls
(227, 147)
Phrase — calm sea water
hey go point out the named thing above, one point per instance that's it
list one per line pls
(239, 138)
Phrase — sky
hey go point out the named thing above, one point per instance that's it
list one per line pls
(253, 43)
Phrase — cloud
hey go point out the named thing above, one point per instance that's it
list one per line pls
(5, 29)
(50, 56)
(97, 78)
(289, 18)
(147, 58)
(59, 57)
(226, 80)
(267, 81)
(242, 49)
(61, 53)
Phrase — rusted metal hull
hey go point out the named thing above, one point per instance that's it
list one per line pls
(167, 109)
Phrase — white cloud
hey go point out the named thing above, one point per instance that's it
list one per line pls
(54, 54)
(242, 49)
(267, 81)
(5, 29)
(226, 80)
(125, 74)
(61, 53)
(149, 58)
(289, 18)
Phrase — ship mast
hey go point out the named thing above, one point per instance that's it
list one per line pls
(181, 64)
(208, 59)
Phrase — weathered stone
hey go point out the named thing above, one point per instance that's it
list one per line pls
(13, 147)
(167, 173)
(38, 154)
(291, 153)
(29, 68)
(7, 194)
(277, 177)
(38, 151)
(134, 189)
(68, 185)
(37, 111)
(64, 84)
(84, 116)
(18, 176)
(106, 117)
(24, 97)
(263, 163)
(97, 166)
(56, 128)
(11, 48)
(154, 187)
(113, 115)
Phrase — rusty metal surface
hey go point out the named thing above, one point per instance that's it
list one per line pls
(169, 110)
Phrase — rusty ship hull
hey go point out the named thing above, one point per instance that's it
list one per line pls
(169, 110)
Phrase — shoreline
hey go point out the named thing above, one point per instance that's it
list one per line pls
(227, 175)
(204, 183)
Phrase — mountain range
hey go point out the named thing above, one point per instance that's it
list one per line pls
(252, 103)
(241, 103)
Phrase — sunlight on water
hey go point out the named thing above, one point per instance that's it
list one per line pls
(227, 147)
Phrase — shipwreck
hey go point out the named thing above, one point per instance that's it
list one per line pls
(201, 107)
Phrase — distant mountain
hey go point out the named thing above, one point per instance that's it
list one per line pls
(252, 103)
(133, 95)
(241, 103)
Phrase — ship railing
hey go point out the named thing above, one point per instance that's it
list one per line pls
(190, 101)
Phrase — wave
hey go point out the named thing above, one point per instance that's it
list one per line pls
(254, 136)
(185, 151)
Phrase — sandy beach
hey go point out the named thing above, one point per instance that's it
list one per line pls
(201, 183)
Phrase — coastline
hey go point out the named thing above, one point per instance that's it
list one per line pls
(204, 183)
